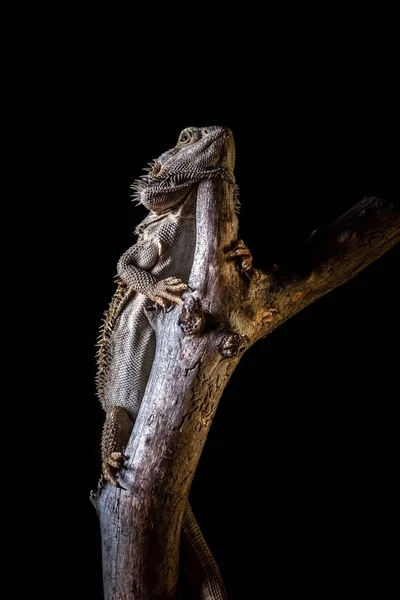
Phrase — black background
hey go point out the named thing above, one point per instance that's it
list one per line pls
(295, 487)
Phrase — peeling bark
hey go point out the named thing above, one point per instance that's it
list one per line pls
(198, 348)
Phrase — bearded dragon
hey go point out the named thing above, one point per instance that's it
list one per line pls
(156, 270)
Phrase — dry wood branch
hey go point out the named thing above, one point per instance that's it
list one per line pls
(141, 525)
(330, 257)
(198, 348)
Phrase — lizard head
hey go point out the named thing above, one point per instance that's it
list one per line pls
(201, 152)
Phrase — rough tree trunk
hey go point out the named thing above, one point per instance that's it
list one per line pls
(198, 347)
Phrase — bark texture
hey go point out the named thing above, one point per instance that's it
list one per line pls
(198, 346)
(329, 257)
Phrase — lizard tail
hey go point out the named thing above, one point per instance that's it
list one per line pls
(199, 563)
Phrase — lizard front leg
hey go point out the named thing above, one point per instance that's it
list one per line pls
(134, 268)
(116, 431)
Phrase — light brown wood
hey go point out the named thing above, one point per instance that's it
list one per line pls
(198, 347)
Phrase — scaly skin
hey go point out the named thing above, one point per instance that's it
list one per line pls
(156, 269)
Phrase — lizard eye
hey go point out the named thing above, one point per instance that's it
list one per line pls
(184, 138)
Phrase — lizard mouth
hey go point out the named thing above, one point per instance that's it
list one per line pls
(158, 168)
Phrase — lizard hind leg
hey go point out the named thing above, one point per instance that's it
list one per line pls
(116, 431)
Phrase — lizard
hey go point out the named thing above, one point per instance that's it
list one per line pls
(156, 269)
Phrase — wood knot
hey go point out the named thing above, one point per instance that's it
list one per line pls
(191, 319)
(233, 345)
(345, 236)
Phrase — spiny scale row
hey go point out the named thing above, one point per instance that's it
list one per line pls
(104, 338)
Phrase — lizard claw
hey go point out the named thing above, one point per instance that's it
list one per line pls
(242, 256)
(111, 464)
(170, 289)
(108, 476)
(115, 460)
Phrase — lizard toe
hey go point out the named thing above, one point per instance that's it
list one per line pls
(109, 475)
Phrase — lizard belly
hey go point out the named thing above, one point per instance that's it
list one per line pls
(132, 342)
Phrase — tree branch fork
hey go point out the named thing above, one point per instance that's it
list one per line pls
(198, 347)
